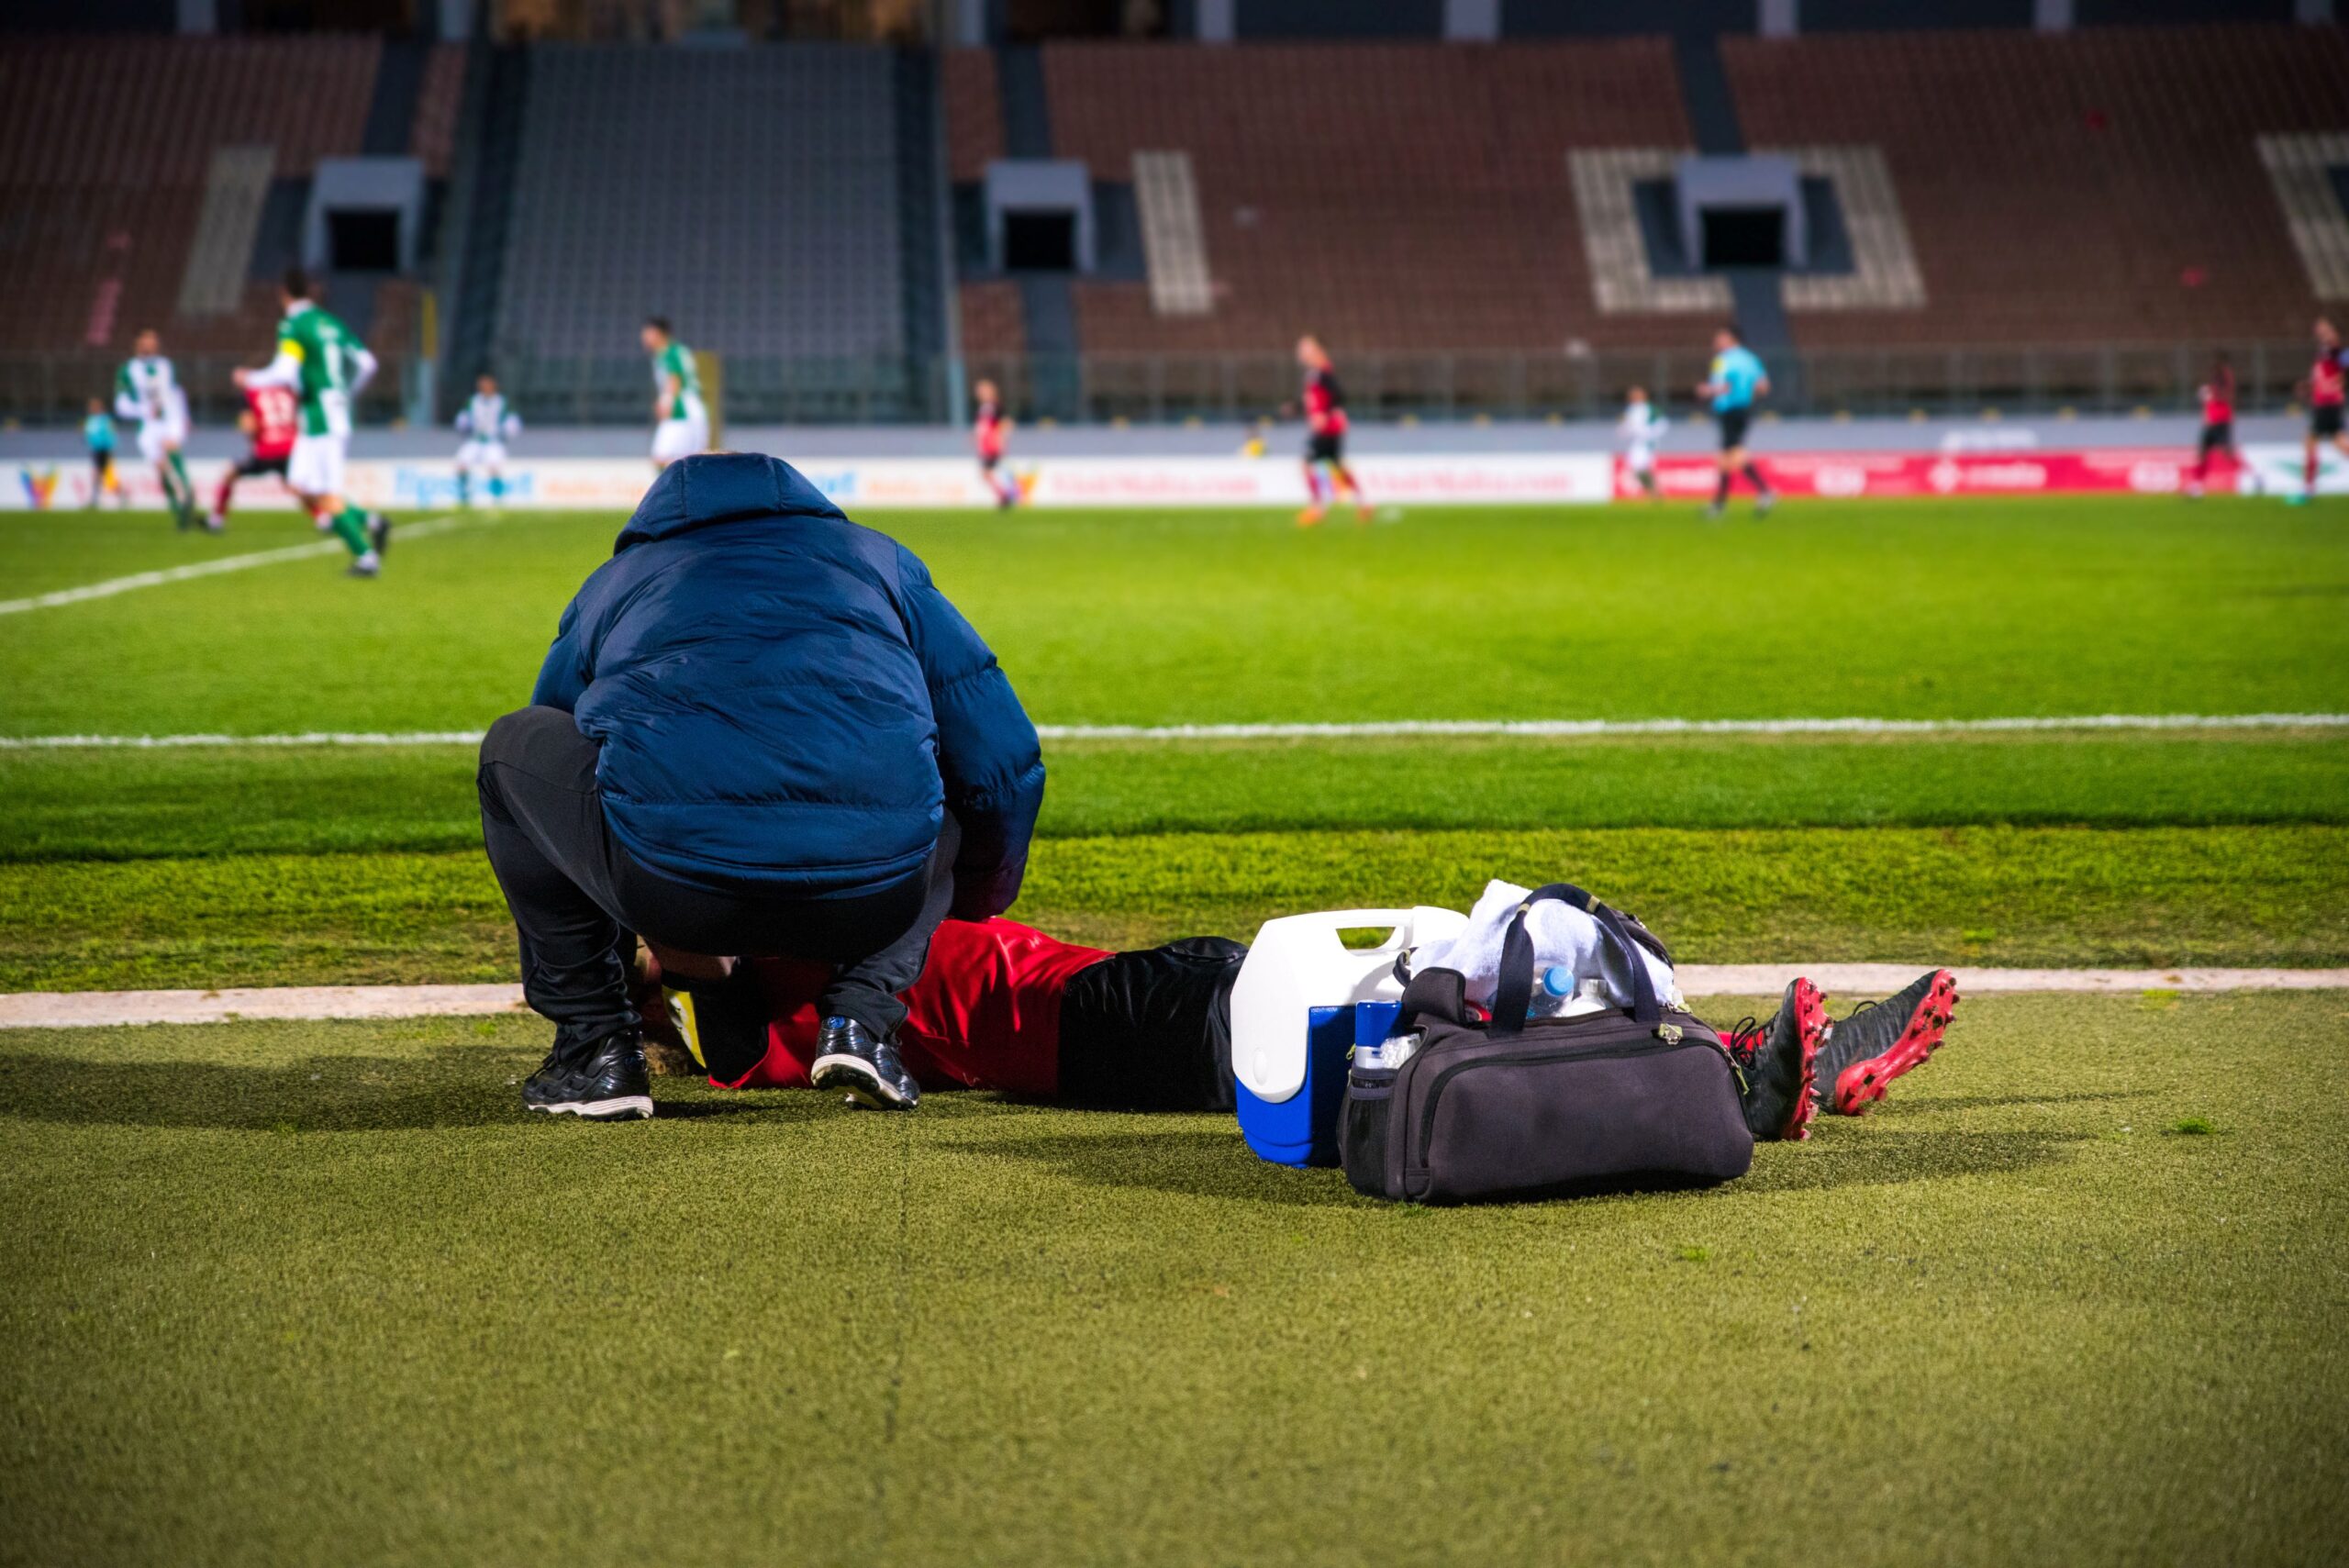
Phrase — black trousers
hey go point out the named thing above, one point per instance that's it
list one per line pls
(579, 898)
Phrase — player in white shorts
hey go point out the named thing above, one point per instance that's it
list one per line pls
(487, 424)
(1639, 429)
(326, 367)
(148, 389)
(681, 425)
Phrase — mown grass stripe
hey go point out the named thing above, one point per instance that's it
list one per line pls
(1538, 728)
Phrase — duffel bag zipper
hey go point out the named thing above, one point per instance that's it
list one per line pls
(1527, 1058)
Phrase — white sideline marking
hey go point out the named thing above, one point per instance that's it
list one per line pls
(1529, 727)
(401, 532)
(91, 1009)
(1601, 727)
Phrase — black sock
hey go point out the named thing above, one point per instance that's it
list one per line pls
(1753, 477)
(1720, 489)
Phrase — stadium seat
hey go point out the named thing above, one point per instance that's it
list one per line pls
(1398, 197)
(1997, 133)
(108, 146)
(751, 196)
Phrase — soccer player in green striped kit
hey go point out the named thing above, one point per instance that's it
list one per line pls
(680, 418)
(325, 366)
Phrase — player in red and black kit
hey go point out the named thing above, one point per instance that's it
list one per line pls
(2218, 425)
(271, 421)
(2325, 388)
(998, 1006)
(1001, 1005)
(1325, 438)
(990, 431)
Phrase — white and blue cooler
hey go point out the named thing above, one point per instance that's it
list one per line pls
(1303, 1001)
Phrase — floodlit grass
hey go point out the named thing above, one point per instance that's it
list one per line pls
(1961, 609)
(229, 800)
(2243, 896)
(321, 1292)
(318, 1293)
(1902, 611)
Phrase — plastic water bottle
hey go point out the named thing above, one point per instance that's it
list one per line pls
(1552, 988)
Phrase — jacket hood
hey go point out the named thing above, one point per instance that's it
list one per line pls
(721, 487)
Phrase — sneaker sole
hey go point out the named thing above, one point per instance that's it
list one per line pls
(1864, 1082)
(620, 1107)
(855, 1077)
(1810, 1024)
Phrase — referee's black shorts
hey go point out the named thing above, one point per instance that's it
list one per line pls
(1733, 422)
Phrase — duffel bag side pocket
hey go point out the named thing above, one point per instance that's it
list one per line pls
(1363, 1129)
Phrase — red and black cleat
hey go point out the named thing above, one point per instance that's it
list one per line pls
(1777, 1062)
(1880, 1040)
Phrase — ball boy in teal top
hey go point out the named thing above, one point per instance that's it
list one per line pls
(1734, 384)
(97, 434)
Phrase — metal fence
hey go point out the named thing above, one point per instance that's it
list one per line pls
(55, 389)
(51, 389)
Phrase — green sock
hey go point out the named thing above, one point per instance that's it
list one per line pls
(175, 482)
(350, 527)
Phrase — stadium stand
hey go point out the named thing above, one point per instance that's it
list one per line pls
(1392, 198)
(1470, 227)
(103, 220)
(1995, 133)
(139, 177)
(751, 195)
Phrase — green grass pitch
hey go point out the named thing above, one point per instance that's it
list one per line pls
(318, 1293)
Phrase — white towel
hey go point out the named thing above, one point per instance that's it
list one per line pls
(1562, 936)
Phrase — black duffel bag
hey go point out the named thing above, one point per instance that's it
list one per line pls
(1636, 1097)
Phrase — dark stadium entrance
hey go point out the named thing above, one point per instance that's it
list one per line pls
(1041, 242)
(1745, 236)
(363, 239)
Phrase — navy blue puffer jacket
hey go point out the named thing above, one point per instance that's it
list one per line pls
(785, 701)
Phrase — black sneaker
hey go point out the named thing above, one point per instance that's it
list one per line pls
(604, 1080)
(1880, 1040)
(379, 532)
(850, 1059)
(1775, 1061)
(1765, 503)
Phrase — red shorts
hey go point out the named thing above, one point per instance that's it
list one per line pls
(984, 1015)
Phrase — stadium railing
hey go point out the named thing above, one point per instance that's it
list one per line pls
(50, 389)
(53, 389)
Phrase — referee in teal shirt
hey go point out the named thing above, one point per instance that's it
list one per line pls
(1734, 382)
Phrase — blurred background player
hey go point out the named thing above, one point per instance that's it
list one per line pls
(487, 424)
(1639, 430)
(2218, 395)
(271, 419)
(1734, 382)
(325, 367)
(1325, 436)
(148, 389)
(2326, 390)
(681, 420)
(97, 434)
(990, 432)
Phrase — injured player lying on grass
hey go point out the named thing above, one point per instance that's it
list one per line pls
(1001, 1005)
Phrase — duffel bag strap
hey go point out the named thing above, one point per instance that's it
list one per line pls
(1513, 996)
